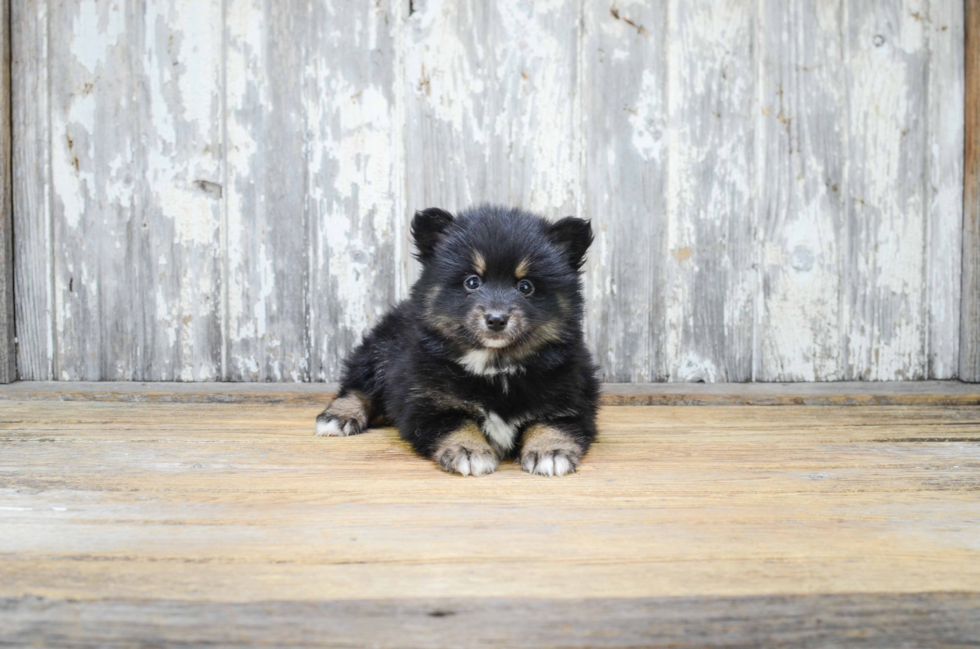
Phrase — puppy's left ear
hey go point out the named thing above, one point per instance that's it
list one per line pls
(574, 236)
(428, 227)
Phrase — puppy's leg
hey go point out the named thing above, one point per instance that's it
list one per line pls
(465, 451)
(450, 438)
(348, 414)
(552, 450)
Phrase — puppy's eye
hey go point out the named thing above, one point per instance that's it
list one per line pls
(472, 283)
(525, 287)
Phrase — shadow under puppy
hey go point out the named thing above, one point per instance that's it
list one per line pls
(486, 359)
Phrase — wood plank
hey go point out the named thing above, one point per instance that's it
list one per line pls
(492, 106)
(624, 118)
(267, 231)
(354, 191)
(241, 503)
(879, 620)
(800, 167)
(135, 145)
(969, 366)
(179, 266)
(8, 334)
(96, 167)
(613, 394)
(885, 313)
(31, 184)
(710, 181)
(944, 195)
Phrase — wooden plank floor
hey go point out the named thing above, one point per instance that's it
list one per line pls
(230, 523)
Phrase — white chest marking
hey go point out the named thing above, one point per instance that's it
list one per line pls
(499, 432)
(480, 363)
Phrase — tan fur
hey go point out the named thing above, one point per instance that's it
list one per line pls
(466, 451)
(479, 263)
(547, 450)
(523, 268)
(543, 438)
(354, 405)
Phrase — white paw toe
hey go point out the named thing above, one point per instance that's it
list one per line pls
(556, 463)
(330, 428)
(466, 462)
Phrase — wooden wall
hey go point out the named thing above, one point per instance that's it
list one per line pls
(220, 190)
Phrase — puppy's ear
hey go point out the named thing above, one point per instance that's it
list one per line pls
(428, 226)
(574, 236)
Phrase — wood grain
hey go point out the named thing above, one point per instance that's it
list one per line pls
(241, 503)
(878, 620)
(711, 272)
(266, 225)
(800, 170)
(969, 361)
(220, 190)
(33, 260)
(8, 335)
(624, 118)
(944, 192)
(884, 315)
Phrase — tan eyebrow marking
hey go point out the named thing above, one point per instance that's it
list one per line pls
(522, 268)
(479, 263)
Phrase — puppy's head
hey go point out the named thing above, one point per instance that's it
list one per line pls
(499, 278)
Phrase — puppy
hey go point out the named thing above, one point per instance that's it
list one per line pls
(486, 359)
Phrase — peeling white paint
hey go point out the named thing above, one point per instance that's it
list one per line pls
(799, 181)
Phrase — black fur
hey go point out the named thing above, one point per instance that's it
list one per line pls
(410, 365)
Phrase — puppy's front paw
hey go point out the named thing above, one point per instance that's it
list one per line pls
(549, 451)
(466, 452)
(557, 462)
(347, 415)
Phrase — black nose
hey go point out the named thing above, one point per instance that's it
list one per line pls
(496, 321)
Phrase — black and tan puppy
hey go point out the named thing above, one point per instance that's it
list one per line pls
(486, 360)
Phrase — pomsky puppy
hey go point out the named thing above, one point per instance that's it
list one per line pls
(486, 359)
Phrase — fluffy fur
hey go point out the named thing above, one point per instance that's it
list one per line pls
(486, 359)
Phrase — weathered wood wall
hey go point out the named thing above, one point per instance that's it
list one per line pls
(210, 190)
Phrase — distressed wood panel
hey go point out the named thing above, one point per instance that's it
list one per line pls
(311, 184)
(268, 247)
(180, 195)
(491, 106)
(710, 190)
(884, 308)
(944, 186)
(33, 270)
(969, 361)
(215, 190)
(354, 185)
(802, 109)
(624, 118)
(96, 165)
(135, 152)
(8, 348)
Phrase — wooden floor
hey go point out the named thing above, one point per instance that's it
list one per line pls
(229, 524)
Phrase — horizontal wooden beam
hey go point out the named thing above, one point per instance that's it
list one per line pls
(880, 620)
(613, 394)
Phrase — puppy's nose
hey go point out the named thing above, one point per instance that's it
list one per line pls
(496, 321)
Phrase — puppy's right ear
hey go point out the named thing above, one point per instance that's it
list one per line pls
(428, 227)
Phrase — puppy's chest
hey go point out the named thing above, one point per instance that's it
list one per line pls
(501, 431)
